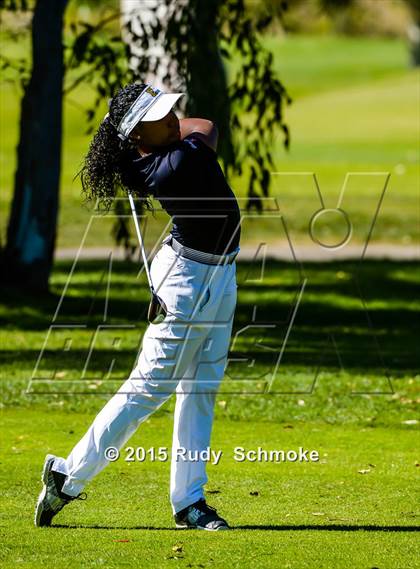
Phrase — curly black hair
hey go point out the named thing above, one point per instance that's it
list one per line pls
(104, 170)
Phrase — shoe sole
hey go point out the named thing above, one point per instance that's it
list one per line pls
(44, 479)
(222, 528)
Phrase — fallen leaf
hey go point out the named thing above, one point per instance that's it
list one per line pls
(364, 471)
(177, 548)
(122, 540)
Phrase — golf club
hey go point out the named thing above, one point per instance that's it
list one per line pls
(157, 309)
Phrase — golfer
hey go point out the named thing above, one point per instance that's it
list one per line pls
(142, 147)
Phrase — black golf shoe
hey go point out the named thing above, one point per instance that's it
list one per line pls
(51, 499)
(200, 516)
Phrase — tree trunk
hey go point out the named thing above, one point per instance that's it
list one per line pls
(28, 257)
(206, 77)
(147, 13)
(205, 80)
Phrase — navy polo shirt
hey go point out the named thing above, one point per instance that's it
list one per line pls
(187, 180)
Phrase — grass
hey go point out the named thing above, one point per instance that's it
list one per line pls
(353, 508)
(334, 348)
(346, 117)
(294, 515)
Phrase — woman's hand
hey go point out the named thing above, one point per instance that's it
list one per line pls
(204, 129)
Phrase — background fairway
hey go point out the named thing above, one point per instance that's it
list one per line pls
(355, 110)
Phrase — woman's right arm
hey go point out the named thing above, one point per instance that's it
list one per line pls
(204, 129)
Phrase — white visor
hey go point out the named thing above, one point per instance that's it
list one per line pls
(151, 105)
(161, 107)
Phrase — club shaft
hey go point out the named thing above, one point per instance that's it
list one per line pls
(140, 238)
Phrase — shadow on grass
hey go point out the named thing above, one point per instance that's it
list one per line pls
(331, 327)
(331, 527)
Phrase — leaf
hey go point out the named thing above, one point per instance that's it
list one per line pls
(364, 471)
(177, 548)
(80, 46)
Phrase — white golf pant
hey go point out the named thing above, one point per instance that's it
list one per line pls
(186, 354)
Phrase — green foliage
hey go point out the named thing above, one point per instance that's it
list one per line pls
(255, 89)
(14, 69)
(16, 5)
(100, 59)
(107, 59)
(103, 61)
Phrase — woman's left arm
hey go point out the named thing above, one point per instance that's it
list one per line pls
(204, 129)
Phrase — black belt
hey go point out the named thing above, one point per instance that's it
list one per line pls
(200, 256)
